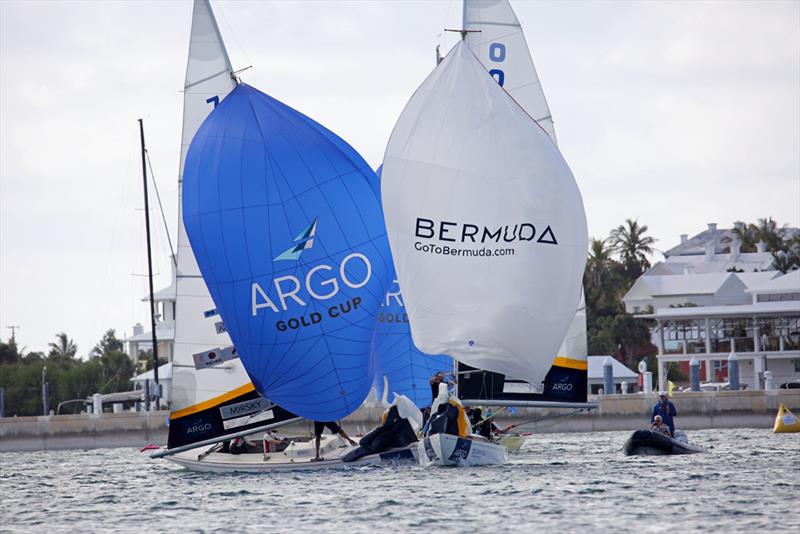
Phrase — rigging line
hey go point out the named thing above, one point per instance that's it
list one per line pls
(161, 208)
(550, 417)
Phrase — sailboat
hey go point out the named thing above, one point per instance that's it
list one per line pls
(284, 230)
(494, 34)
(488, 236)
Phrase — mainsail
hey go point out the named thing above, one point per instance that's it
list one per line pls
(208, 80)
(288, 233)
(485, 221)
(499, 43)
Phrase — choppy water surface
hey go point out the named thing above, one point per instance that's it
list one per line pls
(750, 481)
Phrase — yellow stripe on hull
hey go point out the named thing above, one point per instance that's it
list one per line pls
(569, 363)
(210, 403)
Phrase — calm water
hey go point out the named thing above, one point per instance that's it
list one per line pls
(750, 481)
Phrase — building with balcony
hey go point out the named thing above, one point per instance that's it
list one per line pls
(707, 300)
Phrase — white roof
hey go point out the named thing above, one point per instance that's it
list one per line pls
(164, 373)
(163, 333)
(619, 369)
(787, 283)
(747, 262)
(168, 293)
(787, 307)
(757, 279)
(685, 284)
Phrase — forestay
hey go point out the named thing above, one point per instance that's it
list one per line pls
(208, 80)
(485, 221)
(288, 234)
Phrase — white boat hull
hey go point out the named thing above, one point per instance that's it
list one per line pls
(297, 457)
(446, 449)
(514, 442)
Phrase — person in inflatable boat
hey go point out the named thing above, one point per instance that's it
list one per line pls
(666, 410)
(659, 426)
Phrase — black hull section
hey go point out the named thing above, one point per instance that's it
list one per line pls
(230, 413)
(648, 443)
(562, 384)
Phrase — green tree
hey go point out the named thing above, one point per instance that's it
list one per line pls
(64, 349)
(108, 344)
(9, 353)
(634, 248)
(748, 237)
(771, 234)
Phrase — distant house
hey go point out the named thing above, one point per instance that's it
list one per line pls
(705, 310)
(622, 374)
(142, 339)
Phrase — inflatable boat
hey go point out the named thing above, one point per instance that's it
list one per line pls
(649, 443)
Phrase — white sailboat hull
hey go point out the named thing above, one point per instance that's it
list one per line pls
(294, 458)
(446, 449)
(514, 442)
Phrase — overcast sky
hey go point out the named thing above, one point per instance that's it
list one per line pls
(678, 113)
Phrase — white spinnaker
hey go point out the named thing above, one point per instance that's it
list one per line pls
(208, 81)
(500, 45)
(464, 153)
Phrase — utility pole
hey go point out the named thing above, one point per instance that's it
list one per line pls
(149, 265)
(13, 329)
(45, 392)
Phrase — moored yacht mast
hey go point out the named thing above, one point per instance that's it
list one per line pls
(149, 265)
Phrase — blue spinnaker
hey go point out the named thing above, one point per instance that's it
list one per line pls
(406, 368)
(288, 233)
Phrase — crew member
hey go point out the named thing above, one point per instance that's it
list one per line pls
(659, 426)
(334, 427)
(438, 378)
(666, 410)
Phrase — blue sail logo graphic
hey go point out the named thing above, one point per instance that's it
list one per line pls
(305, 240)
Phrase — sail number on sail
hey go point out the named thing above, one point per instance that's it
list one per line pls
(497, 54)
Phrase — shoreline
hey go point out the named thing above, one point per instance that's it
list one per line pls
(702, 410)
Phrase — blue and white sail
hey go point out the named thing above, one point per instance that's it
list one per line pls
(289, 235)
(400, 367)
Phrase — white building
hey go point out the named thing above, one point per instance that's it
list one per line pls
(704, 310)
(622, 375)
(165, 325)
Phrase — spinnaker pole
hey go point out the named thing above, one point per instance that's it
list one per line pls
(150, 267)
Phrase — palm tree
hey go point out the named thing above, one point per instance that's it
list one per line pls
(64, 348)
(633, 247)
(771, 234)
(747, 235)
(600, 262)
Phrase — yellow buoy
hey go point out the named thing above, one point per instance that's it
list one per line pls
(785, 421)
